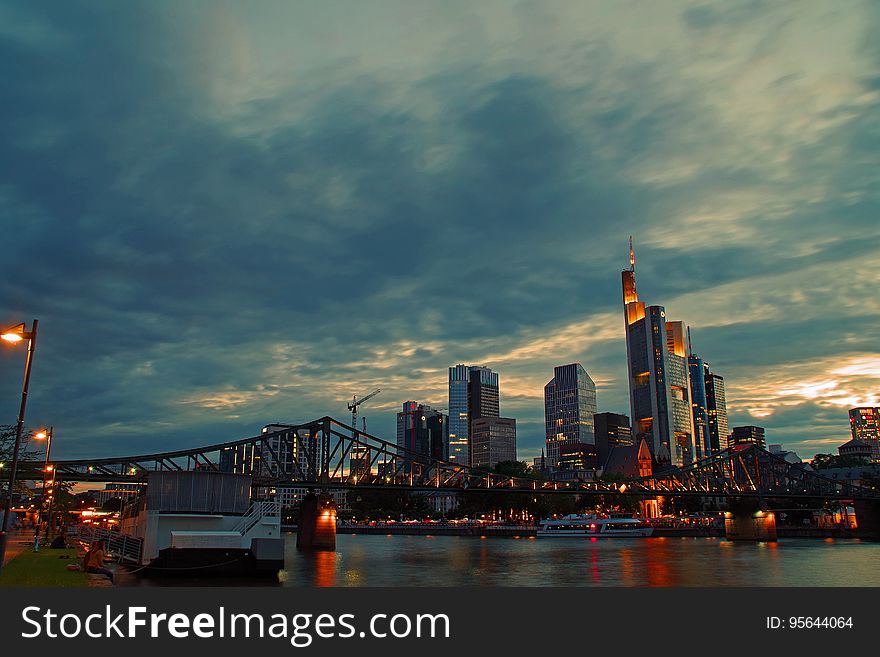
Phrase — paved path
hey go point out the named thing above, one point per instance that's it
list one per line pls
(17, 543)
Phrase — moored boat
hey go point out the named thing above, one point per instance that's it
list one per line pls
(594, 526)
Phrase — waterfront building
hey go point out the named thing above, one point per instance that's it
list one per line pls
(864, 422)
(748, 435)
(569, 407)
(423, 430)
(493, 439)
(442, 502)
(657, 371)
(473, 393)
(611, 430)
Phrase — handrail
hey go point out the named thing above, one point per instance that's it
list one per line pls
(126, 547)
(256, 512)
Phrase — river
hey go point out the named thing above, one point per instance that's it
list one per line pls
(419, 561)
(371, 560)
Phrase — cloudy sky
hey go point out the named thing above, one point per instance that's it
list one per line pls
(227, 214)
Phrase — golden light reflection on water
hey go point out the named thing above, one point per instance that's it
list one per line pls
(626, 567)
(325, 568)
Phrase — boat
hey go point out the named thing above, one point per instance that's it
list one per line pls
(201, 522)
(594, 526)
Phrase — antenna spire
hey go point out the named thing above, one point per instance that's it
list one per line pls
(632, 255)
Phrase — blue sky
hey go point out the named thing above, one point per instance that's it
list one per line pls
(226, 215)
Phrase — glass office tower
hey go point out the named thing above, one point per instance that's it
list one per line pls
(716, 410)
(698, 368)
(659, 381)
(473, 393)
(569, 407)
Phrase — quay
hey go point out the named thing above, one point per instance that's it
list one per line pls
(512, 531)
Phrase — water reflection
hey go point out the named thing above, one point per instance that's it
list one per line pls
(325, 568)
(368, 560)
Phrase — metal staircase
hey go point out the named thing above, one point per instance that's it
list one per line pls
(256, 512)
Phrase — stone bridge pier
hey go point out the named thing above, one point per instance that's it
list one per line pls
(316, 529)
(868, 518)
(745, 520)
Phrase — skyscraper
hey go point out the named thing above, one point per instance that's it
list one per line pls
(569, 406)
(612, 430)
(864, 423)
(698, 369)
(659, 383)
(423, 430)
(750, 435)
(716, 410)
(473, 393)
(493, 439)
(708, 404)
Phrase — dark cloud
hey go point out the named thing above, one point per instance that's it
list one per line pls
(202, 266)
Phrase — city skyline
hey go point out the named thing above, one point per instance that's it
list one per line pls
(172, 261)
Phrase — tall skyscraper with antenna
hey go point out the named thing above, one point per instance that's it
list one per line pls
(657, 371)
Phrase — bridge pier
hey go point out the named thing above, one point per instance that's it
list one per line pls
(746, 521)
(868, 518)
(316, 529)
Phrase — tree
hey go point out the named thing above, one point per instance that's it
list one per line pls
(825, 461)
(518, 469)
(7, 447)
(380, 504)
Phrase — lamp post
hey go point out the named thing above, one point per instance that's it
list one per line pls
(47, 436)
(15, 335)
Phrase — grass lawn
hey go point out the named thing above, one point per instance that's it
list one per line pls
(43, 568)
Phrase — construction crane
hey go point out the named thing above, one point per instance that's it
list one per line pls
(353, 407)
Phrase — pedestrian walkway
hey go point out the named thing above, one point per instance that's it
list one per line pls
(17, 543)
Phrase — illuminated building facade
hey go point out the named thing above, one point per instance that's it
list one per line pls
(569, 407)
(288, 449)
(577, 456)
(709, 406)
(473, 393)
(493, 439)
(864, 423)
(748, 436)
(697, 369)
(716, 411)
(659, 382)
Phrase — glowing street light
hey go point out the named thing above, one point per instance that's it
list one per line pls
(15, 335)
(47, 436)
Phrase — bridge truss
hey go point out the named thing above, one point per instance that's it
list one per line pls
(328, 454)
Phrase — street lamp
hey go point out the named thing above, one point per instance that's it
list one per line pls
(47, 436)
(14, 335)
